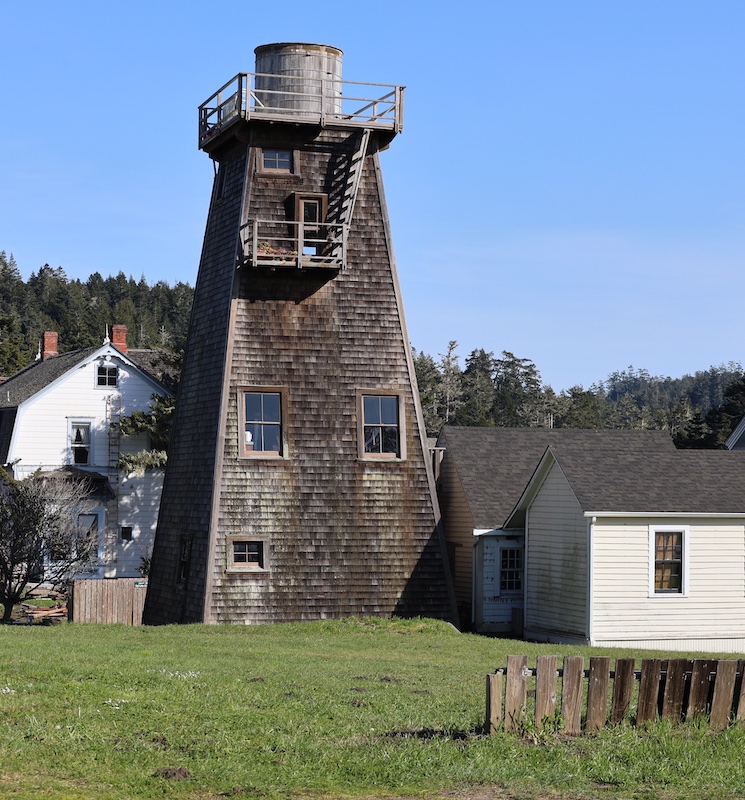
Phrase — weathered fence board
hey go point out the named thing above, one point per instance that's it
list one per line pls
(649, 691)
(673, 689)
(494, 692)
(545, 688)
(597, 693)
(724, 694)
(571, 694)
(108, 601)
(517, 691)
(623, 689)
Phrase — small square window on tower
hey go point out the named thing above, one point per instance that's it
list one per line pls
(275, 160)
(245, 554)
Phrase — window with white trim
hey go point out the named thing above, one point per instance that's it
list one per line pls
(668, 560)
(80, 443)
(510, 570)
(107, 374)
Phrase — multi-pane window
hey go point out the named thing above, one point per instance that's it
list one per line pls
(262, 423)
(380, 425)
(106, 375)
(511, 570)
(668, 561)
(274, 160)
(80, 442)
(248, 555)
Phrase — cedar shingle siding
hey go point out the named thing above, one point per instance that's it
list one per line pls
(343, 535)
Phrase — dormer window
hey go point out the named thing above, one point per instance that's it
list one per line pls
(107, 374)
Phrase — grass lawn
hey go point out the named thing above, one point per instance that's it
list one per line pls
(358, 708)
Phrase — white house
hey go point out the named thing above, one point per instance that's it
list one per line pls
(640, 550)
(62, 412)
(482, 475)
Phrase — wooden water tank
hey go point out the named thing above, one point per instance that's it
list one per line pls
(299, 77)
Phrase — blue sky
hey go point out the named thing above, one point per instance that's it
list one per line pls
(569, 185)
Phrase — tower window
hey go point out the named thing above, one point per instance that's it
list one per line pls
(245, 555)
(261, 422)
(381, 427)
(273, 160)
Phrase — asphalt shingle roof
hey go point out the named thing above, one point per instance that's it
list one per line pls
(495, 464)
(684, 481)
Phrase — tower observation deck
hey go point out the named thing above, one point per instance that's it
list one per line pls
(302, 84)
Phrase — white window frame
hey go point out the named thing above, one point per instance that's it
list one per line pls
(71, 423)
(107, 365)
(653, 531)
(520, 547)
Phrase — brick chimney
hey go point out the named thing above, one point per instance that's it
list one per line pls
(49, 345)
(119, 337)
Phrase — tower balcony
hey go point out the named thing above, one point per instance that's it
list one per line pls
(328, 102)
(285, 244)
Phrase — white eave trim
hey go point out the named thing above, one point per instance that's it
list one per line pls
(486, 531)
(671, 514)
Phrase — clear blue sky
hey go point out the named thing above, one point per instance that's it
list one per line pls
(569, 185)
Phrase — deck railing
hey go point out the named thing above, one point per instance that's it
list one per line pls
(284, 243)
(321, 101)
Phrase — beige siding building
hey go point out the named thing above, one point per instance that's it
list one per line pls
(630, 550)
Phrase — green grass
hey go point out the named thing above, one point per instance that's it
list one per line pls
(342, 709)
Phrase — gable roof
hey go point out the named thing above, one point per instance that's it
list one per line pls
(495, 464)
(40, 374)
(692, 482)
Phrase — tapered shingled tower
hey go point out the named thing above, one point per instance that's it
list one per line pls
(299, 484)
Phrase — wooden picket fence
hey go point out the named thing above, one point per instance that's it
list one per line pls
(675, 689)
(108, 601)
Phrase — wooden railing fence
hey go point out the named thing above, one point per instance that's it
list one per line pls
(675, 689)
(108, 601)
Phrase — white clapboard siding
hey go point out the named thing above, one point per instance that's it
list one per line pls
(139, 501)
(41, 432)
(556, 562)
(714, 608)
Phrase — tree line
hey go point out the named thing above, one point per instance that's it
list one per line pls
(502, 390)
(157, 316)
(699, 411)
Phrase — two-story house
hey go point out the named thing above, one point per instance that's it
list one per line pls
(61, 412)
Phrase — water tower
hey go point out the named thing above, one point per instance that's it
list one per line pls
(298, 484)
